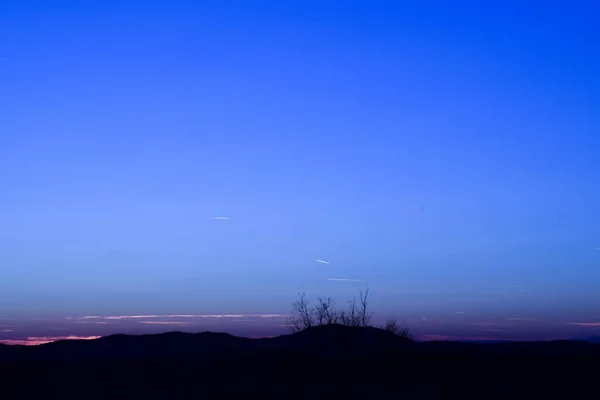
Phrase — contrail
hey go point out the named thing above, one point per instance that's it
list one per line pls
(323, 261)
(344, 279)
(221, 218)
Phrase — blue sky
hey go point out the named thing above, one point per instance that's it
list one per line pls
(444, 157)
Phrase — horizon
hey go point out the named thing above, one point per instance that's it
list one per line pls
(40, 340)
(36, 331)
(197, 165)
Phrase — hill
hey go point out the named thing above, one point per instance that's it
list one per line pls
(327, 361)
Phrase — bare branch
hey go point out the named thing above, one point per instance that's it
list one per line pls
(364, 315)
(350, 316)
(355, 314)
(401, 330)
(303, 316)
(325, 311)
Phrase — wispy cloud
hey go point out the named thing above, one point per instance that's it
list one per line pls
(490, 323)
(459, 312)
(434, 337)
(119, 317)
(180, 316)
(323, 261)
(70, 337)
(165, 323)
(344, 280)
(588, 324)
(518, 319)
(6, 330)
(35, 341)
(92, 322)
(221, 218)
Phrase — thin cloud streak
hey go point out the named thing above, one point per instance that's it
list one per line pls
(491, 323)
(344, 280)
(21, 342)
(135, 317)
(222, 218)
(454, 338)
(588, 324)
(92, 322)
(165, 323)
(36, 341)
(323, 261)
(518, 319)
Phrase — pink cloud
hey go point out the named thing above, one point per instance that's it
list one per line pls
(165, 323)
(35, 341)
(20, 342)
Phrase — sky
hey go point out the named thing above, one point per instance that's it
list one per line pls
(197, 164)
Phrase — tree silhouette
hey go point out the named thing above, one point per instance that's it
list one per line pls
(401, 330)
(357, 314)
(325, 312)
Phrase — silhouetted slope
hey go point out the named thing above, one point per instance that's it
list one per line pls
(339, 340)
(172, 344)
(328, 340)
(322, 362)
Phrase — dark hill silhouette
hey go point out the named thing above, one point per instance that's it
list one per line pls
(326, 361)
(175, 344)
(326, 340)
(338, 340)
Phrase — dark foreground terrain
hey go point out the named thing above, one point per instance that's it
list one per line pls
(324, 362)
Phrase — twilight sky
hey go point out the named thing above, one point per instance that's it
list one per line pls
(187, 159)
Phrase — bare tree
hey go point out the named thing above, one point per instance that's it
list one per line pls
(349, 316)
(325, 312)
(355, 314)
(303, 316)
(401, 330)
(364, 314)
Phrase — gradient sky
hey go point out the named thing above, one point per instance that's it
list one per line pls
(446, 157)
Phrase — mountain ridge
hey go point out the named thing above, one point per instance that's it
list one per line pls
(320, 362)
(328, 340)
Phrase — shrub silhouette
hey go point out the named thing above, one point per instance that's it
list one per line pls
(401, 330)
(355, 314)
